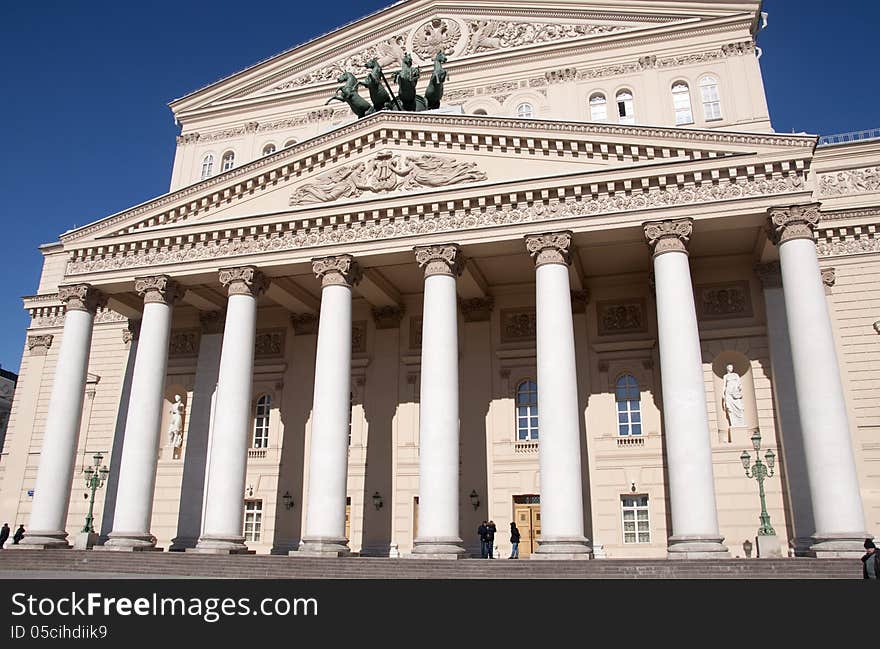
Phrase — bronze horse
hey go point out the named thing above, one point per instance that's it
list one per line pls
(347, 93)
(434, 91)
(406, 80)
(373, 82)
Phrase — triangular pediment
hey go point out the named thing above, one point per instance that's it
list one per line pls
(401, 157)
(467, 33)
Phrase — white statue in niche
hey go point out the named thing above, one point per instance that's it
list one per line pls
(175, 428)
(733, 398)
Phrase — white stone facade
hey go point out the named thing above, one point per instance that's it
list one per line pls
(389, 329)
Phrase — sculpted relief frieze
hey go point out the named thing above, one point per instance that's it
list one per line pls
(851, 181)
(461, 219)
(487, 35)
(386, 172)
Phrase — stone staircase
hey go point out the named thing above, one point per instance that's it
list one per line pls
(67, 563)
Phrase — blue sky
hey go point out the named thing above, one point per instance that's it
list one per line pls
(87, 130)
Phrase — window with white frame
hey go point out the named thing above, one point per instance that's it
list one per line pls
(598, 108)
(629, 411)
(253, 520)
(525, 110)
(636, 520)
(681, 102)
(626, 111)
(711, 98)
(208, 166)
(527, 411)
(269, 149)
(261, 422)
(228, 161)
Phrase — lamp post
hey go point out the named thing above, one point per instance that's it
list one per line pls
(759, 472)
(95, 477)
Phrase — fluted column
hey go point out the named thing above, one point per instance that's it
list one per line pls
(438, 406)
(137, 471)
(695, 532)
(331, 410)
(48, 520)
(831, 467)
(559, 446)
(222, 530)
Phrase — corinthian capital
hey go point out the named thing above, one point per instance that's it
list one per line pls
(39, 345)
(668, 236)
(244, 280)
(551, 248)
(440, 260)
(794, 222)
(158, 289)
(81, 297)
(770, 274)
(341, 270)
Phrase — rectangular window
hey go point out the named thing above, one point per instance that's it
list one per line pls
(636, 522)
(253, 520)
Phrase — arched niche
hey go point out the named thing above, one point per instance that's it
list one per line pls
(743, 367)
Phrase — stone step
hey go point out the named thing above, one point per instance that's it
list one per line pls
(282, 567)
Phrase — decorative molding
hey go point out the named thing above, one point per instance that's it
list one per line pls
(794, 222)
(359, 337)
(105, 316)
(445, 259)
(81, 297)
(477, 309)
(38, 345)
(770, 274)
(213, 322)
(724, 301)
(847, 214)
(850, 181)
(185, 343)
(244, 280)
(158, 289)
(438, 34)
(616, 317)
(550, 248)
(269, 343)
(415, 332)
(829, 278)
(340, 270)
(843, 241)
(388, 317)
(579, 301)
(489, 35)
(668, 236)
(518, 325)
(131, 332)
(386, 172)
(304, 324)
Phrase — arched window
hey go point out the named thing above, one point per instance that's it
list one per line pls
(527, 410)
(525, 110)
(681, 102)
(261, 422)
(711, 98)
(629, 412)
(208, 166)
(480, 111)
(269, 149)
(228, 161)
(598, 108)
(290, 142)
(626, 111)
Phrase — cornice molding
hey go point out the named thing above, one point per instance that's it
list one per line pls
(844, 241)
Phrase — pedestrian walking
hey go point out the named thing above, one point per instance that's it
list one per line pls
(18, 536)
(4, 534)
(871, 561)
(514, 541)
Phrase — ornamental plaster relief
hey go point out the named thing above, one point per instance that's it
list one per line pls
(409, 225)
(839, 242)
(518, 325)
(722, 301)
(851, 181)
(621, 317)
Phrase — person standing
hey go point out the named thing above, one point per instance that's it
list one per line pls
(514, 541)
(18, 536)
(490, 538)
(871, 561)
(482, 530)
(4, 534)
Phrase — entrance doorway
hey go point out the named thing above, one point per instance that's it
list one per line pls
(527, 514)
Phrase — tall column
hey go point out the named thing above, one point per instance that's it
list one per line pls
(695, 532)
(831, 467)
(559, 447)
(331, 410)
(137, 471)
(224, 503)
(55, 472)
(438, 406)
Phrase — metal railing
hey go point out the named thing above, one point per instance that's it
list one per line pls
(853, 136)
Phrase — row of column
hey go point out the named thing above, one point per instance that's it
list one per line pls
(695, 532)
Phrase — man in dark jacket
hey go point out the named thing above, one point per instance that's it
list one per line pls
(871, 561)
(481, 530)
(490, 537)
(18, 536)
(4, 534)
(514, 541)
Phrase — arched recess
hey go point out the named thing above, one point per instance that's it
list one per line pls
(742, 366)
(166, 438)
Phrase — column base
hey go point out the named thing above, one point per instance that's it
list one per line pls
(85, 541)
(438, 547)
(563, 548)
(696, 547)
(322, 546)
(39, 540)
(130, 542)
(830, 546)
(217, 545)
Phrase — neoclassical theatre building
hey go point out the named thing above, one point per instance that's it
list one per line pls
(568, 297)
